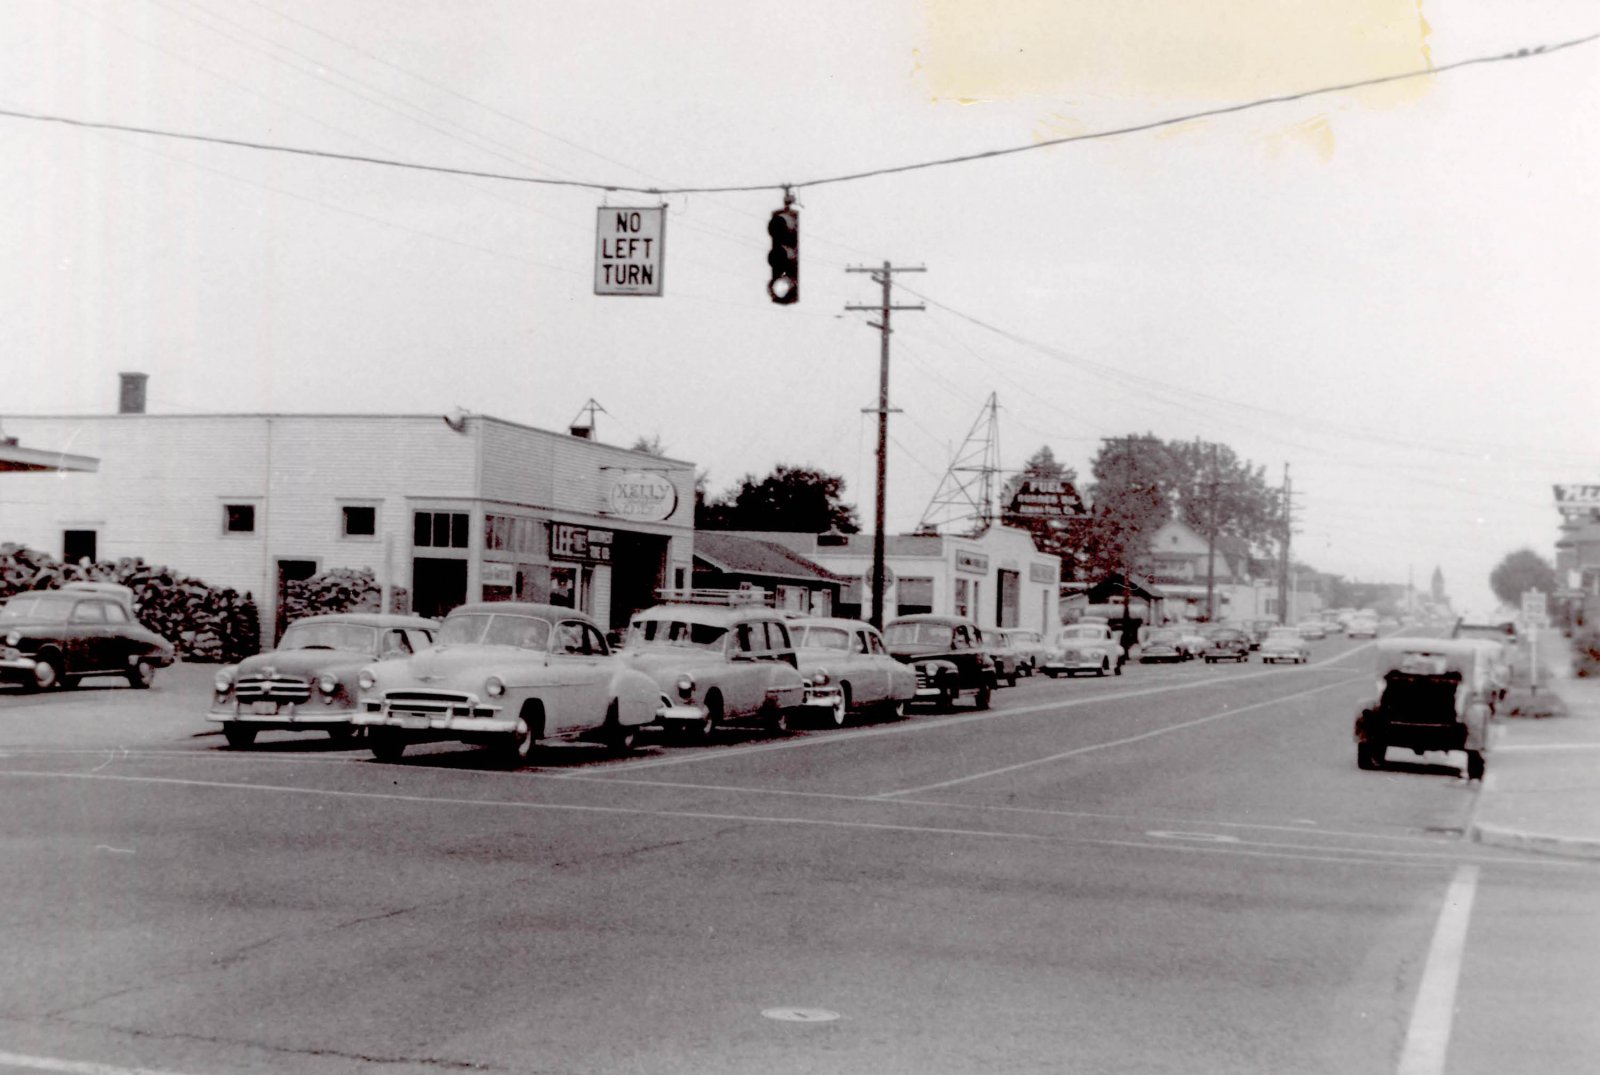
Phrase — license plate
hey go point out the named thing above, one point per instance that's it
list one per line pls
(264, 709)
(412, 723)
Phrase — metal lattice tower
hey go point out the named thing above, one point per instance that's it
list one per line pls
(964, 501)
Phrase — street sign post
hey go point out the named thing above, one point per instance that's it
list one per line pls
(1535, 615)
(630, 250)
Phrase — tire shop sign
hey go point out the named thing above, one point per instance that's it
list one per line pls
(638, 494)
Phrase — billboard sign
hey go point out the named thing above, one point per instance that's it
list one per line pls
(1045, 498)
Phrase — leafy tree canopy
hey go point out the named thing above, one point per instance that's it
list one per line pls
(1519, 572)
(790, 498)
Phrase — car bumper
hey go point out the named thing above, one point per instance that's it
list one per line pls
(483, 720)
(822, 697)
(17, 669)
(281, 714)
(681, 713)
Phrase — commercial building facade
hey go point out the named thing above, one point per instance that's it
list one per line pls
(453, 509)
(996, 579)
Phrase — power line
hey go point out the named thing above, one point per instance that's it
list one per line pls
(968, 158)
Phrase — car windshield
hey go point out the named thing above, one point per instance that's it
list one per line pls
(494, 629)
(346, 636)
(1165, 634)
(38, 608)
(823, 638)
(653, 632)
(917, 634)
(1083, 633)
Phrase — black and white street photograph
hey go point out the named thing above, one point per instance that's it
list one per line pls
(743, 538)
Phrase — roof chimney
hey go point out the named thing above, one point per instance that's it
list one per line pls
(131, 399)
(582, 432)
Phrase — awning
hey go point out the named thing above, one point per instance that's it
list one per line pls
(1113, 588)
(14, 457)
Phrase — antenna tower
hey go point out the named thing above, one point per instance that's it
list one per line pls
(966, 493)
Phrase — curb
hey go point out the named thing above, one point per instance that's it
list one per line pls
(1544, 844)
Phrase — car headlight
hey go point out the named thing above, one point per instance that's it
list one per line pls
(685, 686)
(494, 686)
(366, 680)
(13, 638)
(222, 681)
(820, 679)
(328, 684)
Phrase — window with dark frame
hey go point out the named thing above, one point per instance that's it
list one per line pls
(439, 529)
(239, 518)
(359, 520)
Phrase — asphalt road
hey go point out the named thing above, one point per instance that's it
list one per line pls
(1179, 869)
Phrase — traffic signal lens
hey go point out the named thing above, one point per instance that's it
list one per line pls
(784, 257)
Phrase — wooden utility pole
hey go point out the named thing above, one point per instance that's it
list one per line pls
(1211, 544)
(885, 278)
(1288, 528)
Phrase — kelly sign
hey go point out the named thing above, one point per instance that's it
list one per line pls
(635, 494)
(628, 253)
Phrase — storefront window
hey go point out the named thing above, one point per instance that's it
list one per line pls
(915, 596)
(564, 586)
(962, 607)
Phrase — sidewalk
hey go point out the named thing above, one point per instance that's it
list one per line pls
(1541, 791)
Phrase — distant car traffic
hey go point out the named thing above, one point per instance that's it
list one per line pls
(309, 682)
(847, 669)
(1089, 648)
(948, 655)
(717, 664)
(1024, 649)
(506, 675)
(1361, 627)
(54, 638)
(1285, 644)
(1227, 644)
(1164, 644)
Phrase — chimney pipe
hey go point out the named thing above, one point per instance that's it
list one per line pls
(131, 399)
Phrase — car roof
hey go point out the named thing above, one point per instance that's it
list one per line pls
(525, 608)
(831, 621)
(369, 619)
(716, 615)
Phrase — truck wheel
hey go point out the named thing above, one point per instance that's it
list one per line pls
(983, 697)
(1474, 765)
(1369, 755)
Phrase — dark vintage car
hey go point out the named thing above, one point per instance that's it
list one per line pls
(309, 682)
(1436, 694)
(54, 638)
(948, 655)
(1227, 644)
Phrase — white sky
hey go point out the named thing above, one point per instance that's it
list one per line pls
(1390, 290)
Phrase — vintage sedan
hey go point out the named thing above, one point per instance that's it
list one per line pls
(1434, 694)
(848, 669)
(54, 638)
(1085, 647)
(716, 665)
(948, 655)
(506, 675)
(1227, 644)
(309, 682)
(1313, 630)
(1285, 644)
(1027, 648)
(1164, 644)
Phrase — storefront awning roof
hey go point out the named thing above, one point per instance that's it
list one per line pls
(14, 457)
(734, 554)
(1113, 587)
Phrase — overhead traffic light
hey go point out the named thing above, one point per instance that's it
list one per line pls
(784, 257)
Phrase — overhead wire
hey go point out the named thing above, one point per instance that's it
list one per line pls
(1525, 53)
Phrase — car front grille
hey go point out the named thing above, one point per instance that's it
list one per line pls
(433, 704)
(275, 688)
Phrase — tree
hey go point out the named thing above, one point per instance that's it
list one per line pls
(1520, 572)
(650, 445)
(1208, 481)
(1131, 476)
(790, 498)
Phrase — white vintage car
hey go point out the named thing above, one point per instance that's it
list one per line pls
(848, 669)
(309, 682)
(1084, 647)
(716, 665)
(506, 674)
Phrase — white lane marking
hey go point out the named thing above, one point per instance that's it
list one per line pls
(1076, 751)
(72, 1067)
(1428, 1035)
(937, 723)
(1548, 746)
(801, 1015)
(1342, 855)
(114, 850)
(1198, 837)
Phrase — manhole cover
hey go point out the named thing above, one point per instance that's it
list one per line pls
(801, 1015)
